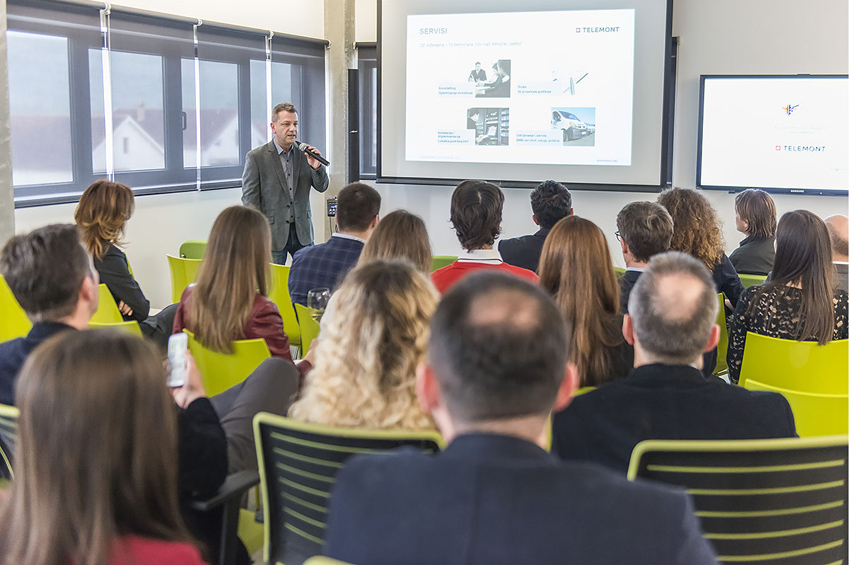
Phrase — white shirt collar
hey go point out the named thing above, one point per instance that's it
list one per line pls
(480, 256)
(638, 269)
(349, 236)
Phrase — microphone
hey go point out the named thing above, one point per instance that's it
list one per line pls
(313, 154)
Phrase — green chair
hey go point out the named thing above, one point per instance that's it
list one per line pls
(131, 326)
(298, 465)
(583, 390)
(440, 261)
(814, 414)
(15, 321)
(309, 327)
(193, 249)
(107, 309)
(619, 271)
(279, 294)
(8, 430)
(220, 371)
(183, 273)
(723, 345)
(321, 560)
(760, 501)
(802, 366)
(751, 280)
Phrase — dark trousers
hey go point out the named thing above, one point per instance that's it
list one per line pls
(159, 326)
(292, 245)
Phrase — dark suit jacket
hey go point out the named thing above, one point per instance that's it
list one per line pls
(523, 251)
(114, 272)
(754, 256)
(264, 187)
(14, 353)
(491, 499)
(664, 402)
(841, 276)
(726, 281)
(627, 282)
(322, 266)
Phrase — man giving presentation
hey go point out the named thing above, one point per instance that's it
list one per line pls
(277, 180)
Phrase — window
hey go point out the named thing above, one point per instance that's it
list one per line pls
(167, 105)
(367, 66)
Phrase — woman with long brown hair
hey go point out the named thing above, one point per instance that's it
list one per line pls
(800, 301)
(399, 235)
(230, 300)
(576, 267)
(697, 231)
(96, 458)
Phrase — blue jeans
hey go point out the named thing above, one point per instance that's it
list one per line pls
(292, 245)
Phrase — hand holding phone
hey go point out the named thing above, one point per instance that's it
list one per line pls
(177, 346)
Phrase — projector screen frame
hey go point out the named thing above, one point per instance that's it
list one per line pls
(771, 190)
(667, 117)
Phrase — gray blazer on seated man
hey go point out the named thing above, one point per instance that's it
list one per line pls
(277, 180)
(497, 365)
(671, 322)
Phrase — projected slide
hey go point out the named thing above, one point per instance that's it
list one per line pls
(775, 133)
(529, 87)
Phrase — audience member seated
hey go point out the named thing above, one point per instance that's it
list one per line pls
(399, 235)
(101, 216)
(230, 300)
(800, 301)
(373, 334)
(53, 279)
(476, 215)
(96, 452)
(755, 217)
(550, 202)
(671, 322)
(697, 231)
(325, 265)
(576, 269)
(644, 229)
(497, 365)
(838, 232)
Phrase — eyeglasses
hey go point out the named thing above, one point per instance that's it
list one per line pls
(619, 238)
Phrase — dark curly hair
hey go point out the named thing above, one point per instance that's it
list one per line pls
(550, 202)
(476, 213)
(696, 228)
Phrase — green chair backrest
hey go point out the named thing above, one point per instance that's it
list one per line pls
(183, 273)
(619, 271)
(220, 371)
(193, 249)
(583, 390)
(298, 465)
(814, 414)
(107, 309)
(760, 501)
(279, 294)
(440, 261)
(309, 327)
(8, 431)
(15, 321)
(751, 280)
(131, 326)
(321, 560)
(723, 344)
(803, 366)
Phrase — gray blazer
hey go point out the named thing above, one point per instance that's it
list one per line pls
(264, 188)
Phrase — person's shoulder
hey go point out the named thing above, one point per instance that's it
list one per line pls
(519, 271)
(147, 551)
(256, 151)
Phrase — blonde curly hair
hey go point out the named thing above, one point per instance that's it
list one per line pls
(373, 335)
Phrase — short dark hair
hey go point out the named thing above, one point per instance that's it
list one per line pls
(476, 213)
(646, 227)
(498, 347)
(45, 270)
(672, 324)
(357, 206)
(550, 202)
(283, 107)
(757, 208)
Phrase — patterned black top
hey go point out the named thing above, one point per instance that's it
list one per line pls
(775, 315)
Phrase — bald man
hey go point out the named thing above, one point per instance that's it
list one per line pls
(838, 235)
(671, 323)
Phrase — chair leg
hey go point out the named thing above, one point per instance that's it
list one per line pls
(229, 529)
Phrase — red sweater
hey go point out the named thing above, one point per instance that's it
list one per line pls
(146, 551)
(444, 278)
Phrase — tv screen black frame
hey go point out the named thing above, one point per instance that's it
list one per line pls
(773, 190)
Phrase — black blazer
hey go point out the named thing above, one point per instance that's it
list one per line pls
(491, 499)
(627, 283)
(114, 272)
(523, 251)
(664, 402)
(754, 256)
(14, 353)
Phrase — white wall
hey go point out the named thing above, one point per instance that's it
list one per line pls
(717, 36)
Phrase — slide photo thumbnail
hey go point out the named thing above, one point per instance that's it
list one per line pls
(491, 125)
(493, 83)
(577, 125)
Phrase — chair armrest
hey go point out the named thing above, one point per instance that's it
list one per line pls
(234, 486)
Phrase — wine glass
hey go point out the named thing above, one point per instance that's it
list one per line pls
(317, 301)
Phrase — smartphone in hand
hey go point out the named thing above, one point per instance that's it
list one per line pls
(177, 346)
